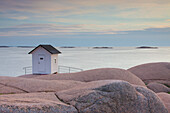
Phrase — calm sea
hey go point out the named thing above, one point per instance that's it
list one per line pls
(13, 59)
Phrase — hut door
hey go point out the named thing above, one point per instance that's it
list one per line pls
(41, 63)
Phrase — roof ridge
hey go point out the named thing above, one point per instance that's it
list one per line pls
(49, 48)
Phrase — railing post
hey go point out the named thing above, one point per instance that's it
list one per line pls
(69, 69)
(58, 69)
(25, 71)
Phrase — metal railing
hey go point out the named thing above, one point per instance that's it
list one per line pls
(27, 69)
(67, 69)
(61, 69)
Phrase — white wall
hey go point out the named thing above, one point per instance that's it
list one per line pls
(35, 60)
(54, 65)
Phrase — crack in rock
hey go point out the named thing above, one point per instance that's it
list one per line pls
(14, 87)
(66, 103)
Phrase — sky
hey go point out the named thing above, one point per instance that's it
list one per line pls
(85, 22)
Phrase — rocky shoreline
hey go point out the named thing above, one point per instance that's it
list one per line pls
(140, 89)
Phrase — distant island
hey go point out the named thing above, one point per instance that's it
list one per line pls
(17, 46)
(67, 47)
(146, 47)
(102, 47)
(4, 46)
(25, 46)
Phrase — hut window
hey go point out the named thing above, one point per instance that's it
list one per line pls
(41, 58)
(55, 61)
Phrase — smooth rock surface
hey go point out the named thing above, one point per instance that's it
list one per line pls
(33, 103)
(30, 76)
(153, 72)
(9, 90)
(157, 87)
(19, 85)
(96, 74)
(113, 97)
(165, 97)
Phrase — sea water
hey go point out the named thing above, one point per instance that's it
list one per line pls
(13, 59)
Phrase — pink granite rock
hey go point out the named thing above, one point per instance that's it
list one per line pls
(9, 90)
(30, 76)
(97, 74)
(157, 87)
(153, 72)
(165, 97)
(112, 97)
(33, 103)
(19, 85)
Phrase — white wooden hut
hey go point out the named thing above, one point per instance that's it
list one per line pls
(44, 59)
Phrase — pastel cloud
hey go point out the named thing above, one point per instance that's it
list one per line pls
(53, 29)
(20, 17)
(81, 16)
(81, 6)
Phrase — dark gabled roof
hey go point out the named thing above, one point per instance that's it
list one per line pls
(49, 48)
